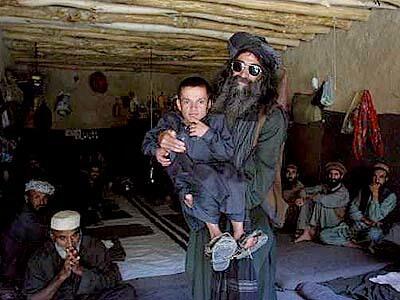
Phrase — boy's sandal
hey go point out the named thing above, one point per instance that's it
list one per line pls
(222, 252)
(210, 244)
(242, 252)
(208, 248)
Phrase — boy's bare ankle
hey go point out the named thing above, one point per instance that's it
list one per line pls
(237, 235)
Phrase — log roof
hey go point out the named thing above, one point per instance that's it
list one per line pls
(179, 35)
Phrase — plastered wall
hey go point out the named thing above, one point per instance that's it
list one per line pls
(94, 110)
(367, 57)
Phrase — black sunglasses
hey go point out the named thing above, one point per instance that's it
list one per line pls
(239, 66)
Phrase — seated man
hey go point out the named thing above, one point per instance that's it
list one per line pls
(26, 233)
(325, 205)
(92, 188)
(292, 189)
(367, 213)
(72, 266)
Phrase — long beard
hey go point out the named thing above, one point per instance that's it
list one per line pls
(235, 99)
(61, 251)
(287, 184)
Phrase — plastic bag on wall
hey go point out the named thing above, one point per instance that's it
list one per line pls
(347, 126)
(328, 93)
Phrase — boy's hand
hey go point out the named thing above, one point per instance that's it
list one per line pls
(198, 128)
(188, 200)
(299, 201)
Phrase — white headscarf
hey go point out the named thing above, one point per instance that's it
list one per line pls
(40, 186)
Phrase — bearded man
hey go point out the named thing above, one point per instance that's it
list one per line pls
(26, 233)
(324, 206)
(247, 95)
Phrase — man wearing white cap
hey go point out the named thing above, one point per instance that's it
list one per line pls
(324, 206)
(26, 233)
(72, 266)
(367, 214)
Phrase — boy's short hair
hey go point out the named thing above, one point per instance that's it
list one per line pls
(195, 81)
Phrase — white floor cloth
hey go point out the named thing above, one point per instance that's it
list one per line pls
(149, 255)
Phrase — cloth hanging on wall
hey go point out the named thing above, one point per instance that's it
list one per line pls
(366, 127)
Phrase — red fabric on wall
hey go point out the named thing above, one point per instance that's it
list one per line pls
(366, 127)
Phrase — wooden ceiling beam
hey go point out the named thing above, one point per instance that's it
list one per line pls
(347, 13)
(348, 3)
(184, 6)
(109, 53)
(149, 41)
(74, 15)
(167, 70)
(84, 60)
(14, 39)
(137, 27)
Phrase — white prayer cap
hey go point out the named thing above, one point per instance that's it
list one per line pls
(40, 186)
(65, 220)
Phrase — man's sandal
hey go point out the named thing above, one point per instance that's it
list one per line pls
(242, 252)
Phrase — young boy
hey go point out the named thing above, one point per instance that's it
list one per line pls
(203, 177)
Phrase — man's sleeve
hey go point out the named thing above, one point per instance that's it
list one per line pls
(354, 210)
(378, 211)
(35, 277)
(337, 199)
(313, 190)
(260, 166)
(219, 139)
(150, 141)
(104, 274)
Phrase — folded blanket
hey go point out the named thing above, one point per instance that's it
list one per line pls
(315, 291)
(391, 278)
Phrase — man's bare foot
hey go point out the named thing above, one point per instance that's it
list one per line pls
(297, 234)
(352, 244)
(305, 236)
(251, 242)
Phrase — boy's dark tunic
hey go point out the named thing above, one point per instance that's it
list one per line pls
(259, 166)
(204, 170)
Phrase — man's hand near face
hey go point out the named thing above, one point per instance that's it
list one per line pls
(73, 258)
(67, 268)
(299, 201)
(374, 188)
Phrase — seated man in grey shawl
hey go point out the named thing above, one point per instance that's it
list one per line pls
(324, 206)
(72, 266)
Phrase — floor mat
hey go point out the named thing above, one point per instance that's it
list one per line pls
(116, 214)
(119, 231)
(178, 220)
(313, 262)
(169, 287)
(147, 255)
